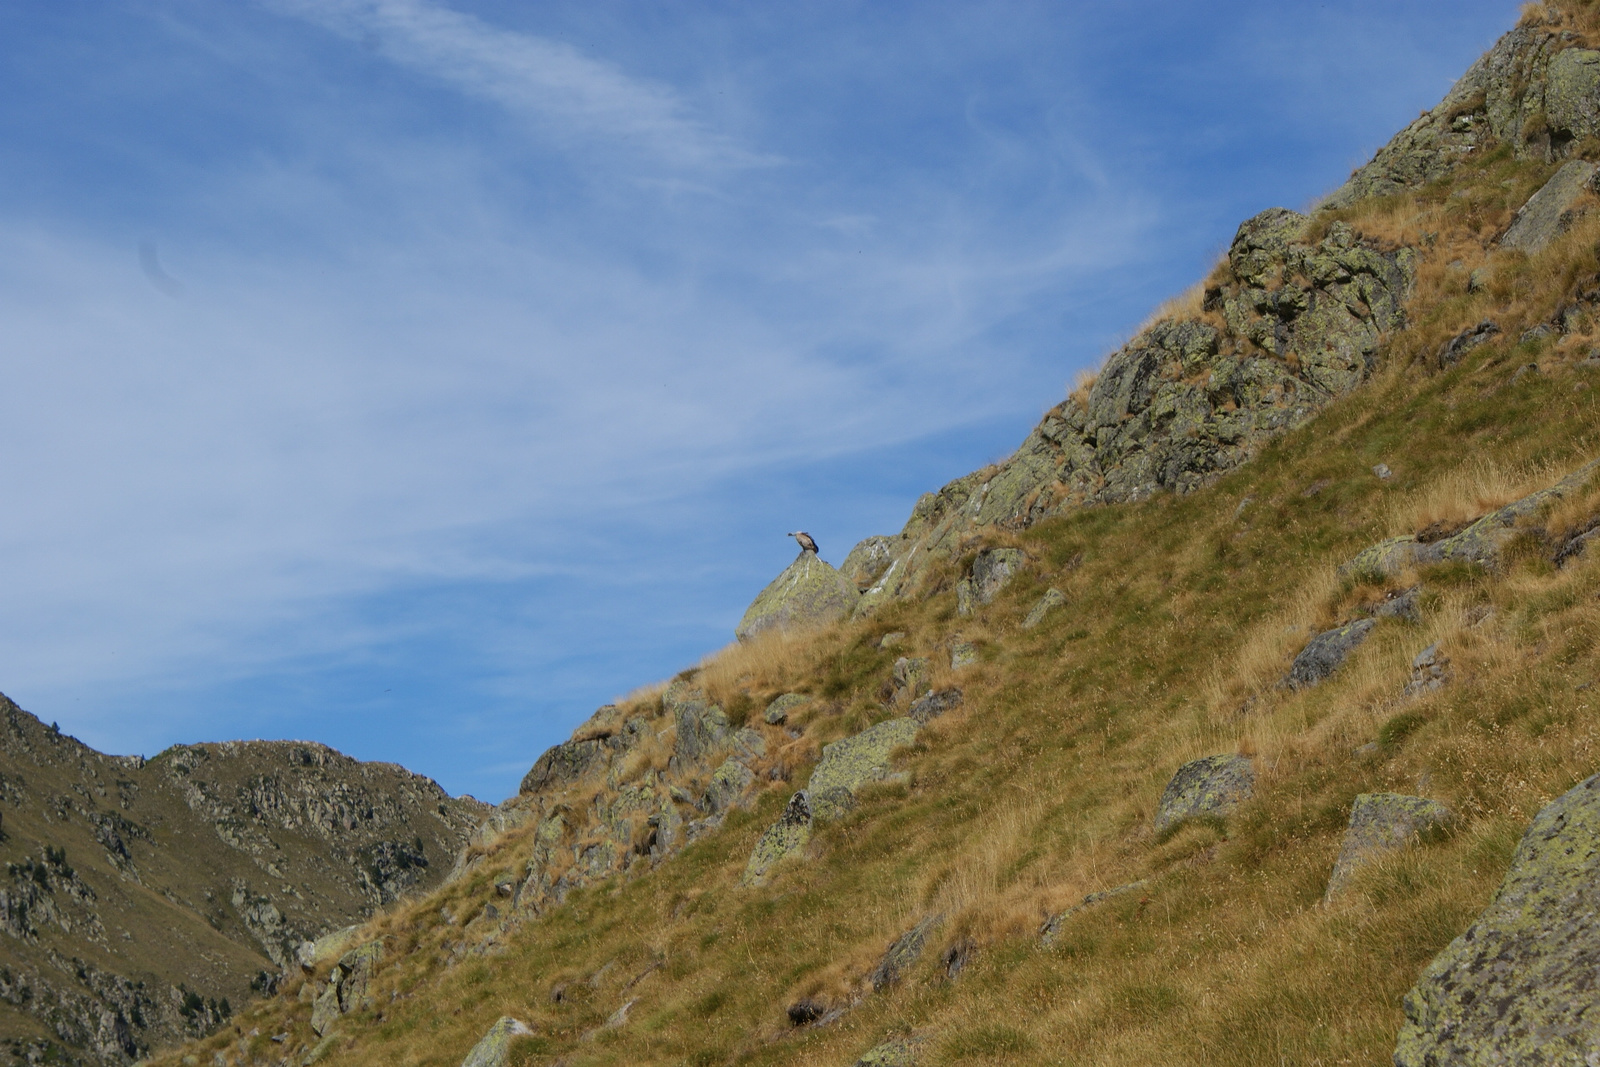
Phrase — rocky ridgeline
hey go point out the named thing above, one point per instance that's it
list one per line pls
(141, 899)
(1291, 321)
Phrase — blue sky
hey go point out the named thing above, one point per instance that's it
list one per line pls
(415, 376)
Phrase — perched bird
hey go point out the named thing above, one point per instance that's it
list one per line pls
(806, 543)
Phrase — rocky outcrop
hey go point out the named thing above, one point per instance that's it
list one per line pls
(777, 712)
(851, 763)
(991, 571)
(494, 1050)
(1519, 985)
(808, 593)
(1381, 823)
(1532, 90)
(897, 1052)
(1209, 787)
(1549, 212)
(903, 954)
(1326, 652)
(1294, 320)
(925, 709)
(783, 839)
(1481, 542)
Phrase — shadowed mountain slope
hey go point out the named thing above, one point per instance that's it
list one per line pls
(141, 900)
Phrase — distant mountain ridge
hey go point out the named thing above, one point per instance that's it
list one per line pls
(142, 899)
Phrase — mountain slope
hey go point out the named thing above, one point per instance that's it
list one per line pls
(142, 899)
(1385, 593)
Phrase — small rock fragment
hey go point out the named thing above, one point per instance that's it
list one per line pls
(891, 640)
(1382, 471)
(1326, 651)
(1427, 671)
(925, 709)
(963, 654)
(1053, 598)
(903, 954)
(778, 711)
(494, 1050)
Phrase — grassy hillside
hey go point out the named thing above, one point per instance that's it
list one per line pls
(1182, 616)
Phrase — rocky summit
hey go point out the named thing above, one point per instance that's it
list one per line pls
(1245, 714)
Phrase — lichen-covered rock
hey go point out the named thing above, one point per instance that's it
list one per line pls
(781, 840)
(925, 709)
(325, 1008)
(910, 678)
(1326, 652)
(1184, 401)
(1530, 91)
(852, 762)
(702, 728)
(1482, 542)
(494, 1050)
(588, 754)
(1212, 786)
(1052, 599)
(1380, 823)
(903, 954)
(808, 593)
(1548, 212)
(899, 1052)
(730, 786)
(1518, 987)
(963, 654)
(777, 712)
(1053, 925)
(868, 560)
(991, 570)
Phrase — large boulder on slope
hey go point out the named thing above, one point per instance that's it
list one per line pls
(1547, 214)
(1326, 652)
(494, 1050)
(1208, 787)
(808, 593)
(852, 762)
(1519, 986)
(1382, 823)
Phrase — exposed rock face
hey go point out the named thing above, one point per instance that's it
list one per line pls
(1518, 986)
(1212, 786)
(900, 1052)
(782, 839)
(868, 560)
(1531, 90)
(146, 898)
(1326, 652)
(1292, 322)
(903, 954)
(1380, 823)
(494, 1050)
(778, 711)
(1481, 542)
(991, 571)
(807, 593)
(1548, 213)
(851, 763)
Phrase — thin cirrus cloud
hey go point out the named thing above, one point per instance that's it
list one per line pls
(550, 80)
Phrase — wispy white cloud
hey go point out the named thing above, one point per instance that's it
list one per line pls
(577, 96)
